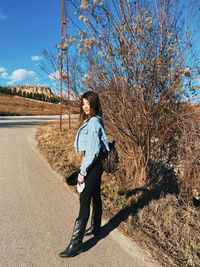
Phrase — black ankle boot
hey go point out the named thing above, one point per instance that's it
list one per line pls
(90, 231)
(75, 246)
(95, 224)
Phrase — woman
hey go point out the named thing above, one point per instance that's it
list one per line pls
(91, 139)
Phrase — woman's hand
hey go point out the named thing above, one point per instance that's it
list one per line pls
(81, 178)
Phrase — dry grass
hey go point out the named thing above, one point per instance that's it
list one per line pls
(171, 231)
(58, 147)
(162, 224)
(15, 105)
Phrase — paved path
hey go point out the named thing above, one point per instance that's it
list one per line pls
(37, 210)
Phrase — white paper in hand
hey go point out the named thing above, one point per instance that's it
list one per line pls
(80, 187)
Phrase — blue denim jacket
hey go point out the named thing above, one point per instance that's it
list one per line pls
(90, 138)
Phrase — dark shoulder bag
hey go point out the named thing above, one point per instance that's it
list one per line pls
(110, 159)
(73, 178)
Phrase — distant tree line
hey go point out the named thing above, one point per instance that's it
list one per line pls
(36, 96)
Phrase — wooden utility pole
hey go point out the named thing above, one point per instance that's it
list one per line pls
(63, 74)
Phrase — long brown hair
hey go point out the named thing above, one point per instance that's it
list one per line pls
(95, 106)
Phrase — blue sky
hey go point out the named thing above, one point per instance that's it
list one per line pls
(27, 27)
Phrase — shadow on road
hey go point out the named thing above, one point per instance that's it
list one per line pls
(25, 121)
(20, 118)
(20, 124)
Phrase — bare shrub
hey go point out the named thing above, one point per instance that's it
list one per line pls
(136, 55)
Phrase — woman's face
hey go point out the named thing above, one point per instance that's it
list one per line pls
(86, 106)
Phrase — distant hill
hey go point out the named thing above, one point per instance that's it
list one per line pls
(37, 89)
(17, 105)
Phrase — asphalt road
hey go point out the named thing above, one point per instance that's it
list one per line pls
(37, 210)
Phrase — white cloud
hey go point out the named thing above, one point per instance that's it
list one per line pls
(2, 69)
(54, 76)
(22, 76)
(3, 73)
(35, 58)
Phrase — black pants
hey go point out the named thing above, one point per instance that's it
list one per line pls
(92, 190)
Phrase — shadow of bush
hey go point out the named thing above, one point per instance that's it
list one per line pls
(160, 182)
